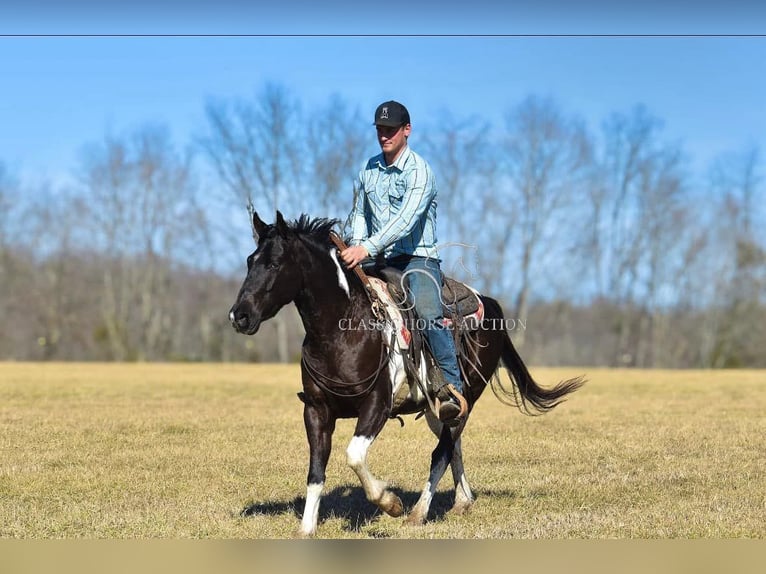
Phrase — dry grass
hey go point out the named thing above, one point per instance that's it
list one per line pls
(177, 451)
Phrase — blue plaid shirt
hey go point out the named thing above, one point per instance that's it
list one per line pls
(395, 208)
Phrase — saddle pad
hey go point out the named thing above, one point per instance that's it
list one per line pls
(403, 335)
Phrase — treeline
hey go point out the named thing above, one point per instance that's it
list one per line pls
(603, 243)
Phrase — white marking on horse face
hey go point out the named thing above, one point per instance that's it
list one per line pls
(356, 452)
(342, 281)
(311, 509)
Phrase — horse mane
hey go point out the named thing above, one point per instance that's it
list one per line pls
(316, 230)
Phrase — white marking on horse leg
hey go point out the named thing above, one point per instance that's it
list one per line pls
(463, 495)
(342, 281)
(356, 456)
(356, 452)
(311, 509)
(419, 512)
(374, 488)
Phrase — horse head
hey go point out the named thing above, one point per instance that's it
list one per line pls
(273, 276)
(290, 258)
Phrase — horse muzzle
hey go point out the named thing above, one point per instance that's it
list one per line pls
(243, 322)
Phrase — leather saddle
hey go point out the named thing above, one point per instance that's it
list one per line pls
(458, 300)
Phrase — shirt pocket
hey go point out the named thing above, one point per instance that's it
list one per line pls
(396, 193)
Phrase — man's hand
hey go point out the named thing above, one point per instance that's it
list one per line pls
(354, 255)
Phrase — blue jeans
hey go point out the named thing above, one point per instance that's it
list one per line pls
(424, 279)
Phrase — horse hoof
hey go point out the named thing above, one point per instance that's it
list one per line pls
(461, 508)
(415, 519)
(392, 505)
(300, 533)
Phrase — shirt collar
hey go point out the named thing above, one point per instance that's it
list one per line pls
(399, 163)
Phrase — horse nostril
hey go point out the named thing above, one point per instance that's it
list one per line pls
(239, 319)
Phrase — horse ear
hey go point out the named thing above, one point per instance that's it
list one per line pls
(259, 227)
(281, 224)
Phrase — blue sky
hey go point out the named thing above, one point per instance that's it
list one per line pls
(59, 93)
(390, 17)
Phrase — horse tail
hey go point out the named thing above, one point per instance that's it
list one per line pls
(525, 393)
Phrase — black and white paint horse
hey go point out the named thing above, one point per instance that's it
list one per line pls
(351, 373)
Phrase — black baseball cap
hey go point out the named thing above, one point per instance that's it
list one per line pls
(391, 114)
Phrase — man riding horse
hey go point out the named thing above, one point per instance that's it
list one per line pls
(355, 373)
(394, 217)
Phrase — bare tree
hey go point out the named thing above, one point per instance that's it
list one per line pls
(460, 155)
(336, 140)
(7, 191)
(6, 185)
(140, 196)
(663, 218)
(636, 190)
(739, 256)
(547, 157)
(60, 292)
(254, 148)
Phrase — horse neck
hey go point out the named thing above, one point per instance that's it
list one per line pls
(322, 302)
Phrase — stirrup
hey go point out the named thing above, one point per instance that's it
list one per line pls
(453, 407)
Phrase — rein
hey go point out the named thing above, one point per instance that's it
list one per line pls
(341, 245)
(322, 381)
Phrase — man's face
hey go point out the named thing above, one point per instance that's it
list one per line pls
(393, 140)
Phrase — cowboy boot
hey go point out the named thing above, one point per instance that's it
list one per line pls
(450, 404)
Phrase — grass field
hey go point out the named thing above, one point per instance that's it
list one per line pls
(219, 451)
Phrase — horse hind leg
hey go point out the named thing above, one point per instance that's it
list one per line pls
(440, 459)
(375, 490)
(463, 496)
(448, 451)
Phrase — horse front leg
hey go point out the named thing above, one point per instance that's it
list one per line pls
(367, 429)
(319, 428)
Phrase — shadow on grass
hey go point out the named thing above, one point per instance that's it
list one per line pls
(350, 504)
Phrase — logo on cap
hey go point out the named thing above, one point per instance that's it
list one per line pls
(384, 114)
